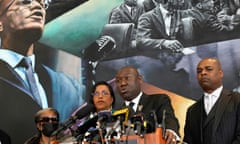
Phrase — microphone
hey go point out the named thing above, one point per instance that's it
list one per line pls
(163, 124)
(119, 116)
(85, 125)
(104, 116)
(122, 113)
(153, 117)
(100, 48)
(139, 124)
(84, 110)
(114, 127)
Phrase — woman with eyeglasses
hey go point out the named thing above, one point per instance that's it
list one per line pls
(102, 96)
(47, 121)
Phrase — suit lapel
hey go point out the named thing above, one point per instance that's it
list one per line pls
(142, 102)
(159, 21)
(210, 116)
(221, 106)
(8, 75)
(126, 12)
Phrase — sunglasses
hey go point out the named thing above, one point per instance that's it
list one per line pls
(48, 119)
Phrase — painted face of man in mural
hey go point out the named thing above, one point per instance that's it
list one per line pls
(21, 24)
(131, 2)
(172, 5)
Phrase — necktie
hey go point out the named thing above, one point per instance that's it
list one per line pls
(132, 12)
(131, 110)
(31, 80)
(208, 106)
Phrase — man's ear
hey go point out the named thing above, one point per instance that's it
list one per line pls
(1, 26)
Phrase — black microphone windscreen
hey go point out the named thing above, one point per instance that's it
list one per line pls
(84, 111)
(105, 116)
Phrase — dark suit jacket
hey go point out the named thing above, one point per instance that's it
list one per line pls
(151, 31)
(18, 108)
(121, 14)
(4, 138)
(226, 125)
(158, 103)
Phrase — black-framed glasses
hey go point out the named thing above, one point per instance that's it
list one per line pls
(48, 119)
(103, 93)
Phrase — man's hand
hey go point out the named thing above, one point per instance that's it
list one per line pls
(173, 45)
(170, 137)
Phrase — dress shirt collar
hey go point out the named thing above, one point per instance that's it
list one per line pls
(135, 101)
(13, 58)
(215, 93)
(165, 12)
(128, 7)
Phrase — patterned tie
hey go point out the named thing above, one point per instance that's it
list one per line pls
(26, 62)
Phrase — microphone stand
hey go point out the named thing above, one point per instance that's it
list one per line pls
(114, 127)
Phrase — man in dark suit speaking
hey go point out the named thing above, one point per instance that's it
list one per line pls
(215, 118)
(128, 82)
(24, 91)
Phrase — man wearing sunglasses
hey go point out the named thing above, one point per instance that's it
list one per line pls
(22, 91)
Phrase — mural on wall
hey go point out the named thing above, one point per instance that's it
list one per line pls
(89, 40)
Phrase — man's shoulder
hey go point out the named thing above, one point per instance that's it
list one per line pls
(157, 96)
(196, 106)
(118, 8)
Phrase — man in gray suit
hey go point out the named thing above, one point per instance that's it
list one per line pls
(215, 118)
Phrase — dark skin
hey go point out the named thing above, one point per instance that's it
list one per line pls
(209, 74)
(128, 84)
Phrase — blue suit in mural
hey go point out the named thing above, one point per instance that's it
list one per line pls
(18, 108)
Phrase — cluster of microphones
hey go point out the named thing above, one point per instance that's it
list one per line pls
(107, 125)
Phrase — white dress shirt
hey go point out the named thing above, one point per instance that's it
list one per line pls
(135, 101)
(166, 18)
(210, 99)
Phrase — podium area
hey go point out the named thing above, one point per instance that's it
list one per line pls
(150, 138)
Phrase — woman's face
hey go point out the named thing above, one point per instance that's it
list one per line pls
(102, 98)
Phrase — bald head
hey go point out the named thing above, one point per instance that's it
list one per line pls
(214, 61)
(209, 74)
(128, 82)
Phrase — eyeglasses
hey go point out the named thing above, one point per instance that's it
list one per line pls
(103, 93)
(48, 119)
(45, 4)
